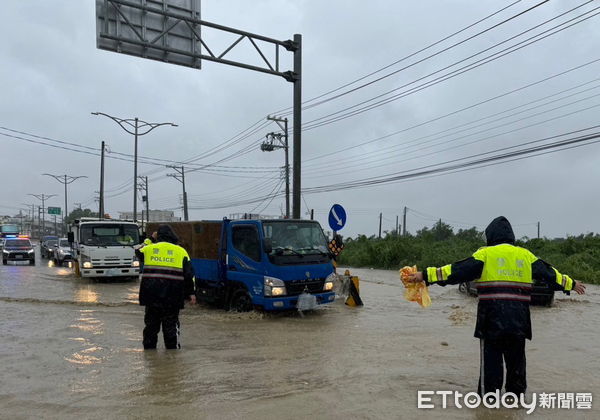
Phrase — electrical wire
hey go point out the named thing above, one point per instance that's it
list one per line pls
(326, 119)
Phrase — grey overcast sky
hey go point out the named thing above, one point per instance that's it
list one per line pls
(52, 77)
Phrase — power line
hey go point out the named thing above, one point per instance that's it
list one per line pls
(474, 105)
(405, 147)
(431, 169)
(326, 120)
(428, 57)
(403, 58)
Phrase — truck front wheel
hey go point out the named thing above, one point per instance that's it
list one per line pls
(241, 301)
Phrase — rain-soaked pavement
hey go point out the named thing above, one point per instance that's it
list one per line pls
(71, 348)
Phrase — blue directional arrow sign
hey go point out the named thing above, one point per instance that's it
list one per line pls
(337, 217)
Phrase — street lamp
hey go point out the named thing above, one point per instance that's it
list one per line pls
(65, 179)
(136, 125)
(43, 198)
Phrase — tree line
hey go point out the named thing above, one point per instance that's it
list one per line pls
(578, 256)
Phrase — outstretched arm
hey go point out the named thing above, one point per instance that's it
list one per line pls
(541, 270)
(462, 271)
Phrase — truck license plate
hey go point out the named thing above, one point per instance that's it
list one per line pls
(19, 257)
(306, 302)
(113, 272)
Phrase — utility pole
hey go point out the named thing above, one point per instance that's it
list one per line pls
(397, 231)
(538, 229)
(404, 222)
(143, 186)
(180, 176)
(380, 220)
(312, 214)
(41, 215)
(101, 198)
(65, 179)
(269, 145)
(136, 125)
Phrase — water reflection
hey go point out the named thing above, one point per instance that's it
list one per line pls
(86, 323)
(85, 295)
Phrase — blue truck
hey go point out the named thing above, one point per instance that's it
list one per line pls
(273, 264)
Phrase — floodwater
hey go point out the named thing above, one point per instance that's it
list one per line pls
(71, 348)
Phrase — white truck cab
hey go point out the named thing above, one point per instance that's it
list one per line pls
(104, 248)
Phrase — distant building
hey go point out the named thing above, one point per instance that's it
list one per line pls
(155, 216)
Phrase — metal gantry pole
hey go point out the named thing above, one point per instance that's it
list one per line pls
(101, 201)
(135, 157)
(297, 126)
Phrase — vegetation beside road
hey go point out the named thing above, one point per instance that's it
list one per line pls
(577, 256)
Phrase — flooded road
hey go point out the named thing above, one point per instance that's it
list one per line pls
(71, 348)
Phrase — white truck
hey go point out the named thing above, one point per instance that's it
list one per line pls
(104, 248)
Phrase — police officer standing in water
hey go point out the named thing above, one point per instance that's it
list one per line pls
(504, 275)
(167, 281)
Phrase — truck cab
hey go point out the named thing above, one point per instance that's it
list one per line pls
(104, 248)
(266, 264)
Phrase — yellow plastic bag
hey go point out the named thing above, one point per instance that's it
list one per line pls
(415, 292)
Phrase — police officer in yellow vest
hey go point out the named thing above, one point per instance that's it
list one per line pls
(504, 275)
(167, 281)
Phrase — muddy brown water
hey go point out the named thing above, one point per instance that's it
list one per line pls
(71, 348)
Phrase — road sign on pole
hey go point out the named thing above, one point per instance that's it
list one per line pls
(337, 217)
(54, 210)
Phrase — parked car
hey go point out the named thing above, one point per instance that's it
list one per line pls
(62, 251)
(541, 294)
(18, 249)
(46, 245)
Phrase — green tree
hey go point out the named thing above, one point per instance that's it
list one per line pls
(79, 213)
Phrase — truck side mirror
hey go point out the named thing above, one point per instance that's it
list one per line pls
(267, 245)
(71, 237)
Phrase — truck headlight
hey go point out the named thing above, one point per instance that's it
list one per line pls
(329, 282)
(86, 261)
(4, 251)
(31, 251)
(87, 264)
(135, 263)
(274, 286)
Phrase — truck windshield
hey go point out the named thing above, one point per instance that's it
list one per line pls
(295, 238)
(9, 229)
(64, 243)
(109, 235)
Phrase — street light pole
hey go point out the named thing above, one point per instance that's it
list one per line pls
(43, 198)
(135, 124)
(65, 179)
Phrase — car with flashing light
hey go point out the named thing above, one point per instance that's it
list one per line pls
(62, 251)
(47, 244)
(18, 249)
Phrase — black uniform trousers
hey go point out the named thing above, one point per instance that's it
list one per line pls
(496, 352)
(156, 316)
